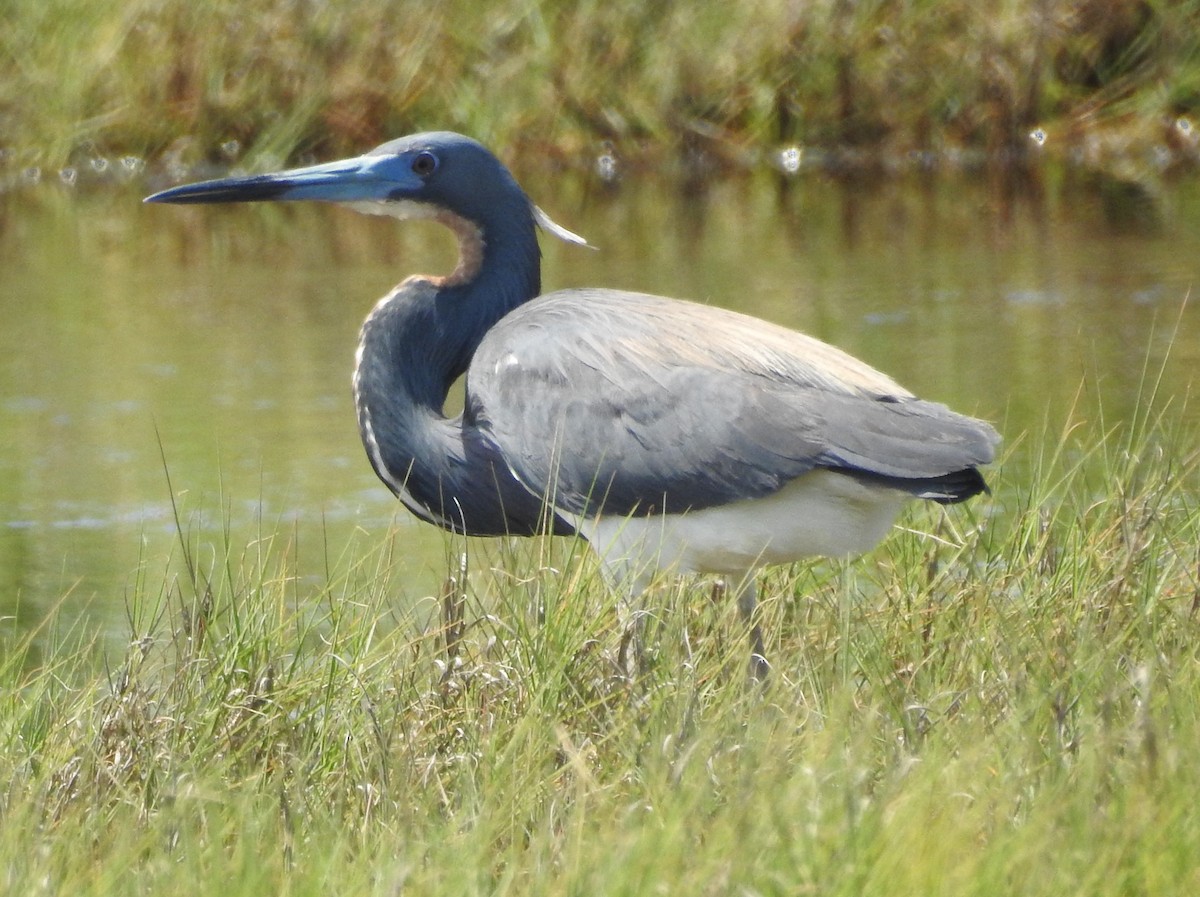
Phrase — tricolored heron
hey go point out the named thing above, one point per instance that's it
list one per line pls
(671, 435)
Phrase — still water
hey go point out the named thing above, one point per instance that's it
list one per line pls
(213, 345)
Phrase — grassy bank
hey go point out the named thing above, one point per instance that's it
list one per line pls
(997, 702)
(279, 79)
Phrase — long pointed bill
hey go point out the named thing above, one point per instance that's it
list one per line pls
(362, 179)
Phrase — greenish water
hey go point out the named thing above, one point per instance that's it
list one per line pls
(215, 344)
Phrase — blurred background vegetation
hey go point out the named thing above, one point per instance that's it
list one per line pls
(852, 82)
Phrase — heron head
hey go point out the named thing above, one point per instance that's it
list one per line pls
(419, 176)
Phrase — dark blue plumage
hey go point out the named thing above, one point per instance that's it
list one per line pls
(421, 338)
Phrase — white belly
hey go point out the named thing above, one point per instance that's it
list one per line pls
(819, 514)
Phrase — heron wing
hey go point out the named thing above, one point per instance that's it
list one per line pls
(599, 398)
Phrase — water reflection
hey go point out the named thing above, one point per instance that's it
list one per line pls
(214, 345)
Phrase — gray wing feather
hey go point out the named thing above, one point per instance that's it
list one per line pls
(631, 402)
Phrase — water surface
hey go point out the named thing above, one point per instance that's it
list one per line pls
(213, 345)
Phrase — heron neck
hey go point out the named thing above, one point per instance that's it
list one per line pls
(415, 343)
(421, 337)
(439, 322)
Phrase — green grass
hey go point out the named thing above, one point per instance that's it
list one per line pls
(1001, 699)
(267, 80)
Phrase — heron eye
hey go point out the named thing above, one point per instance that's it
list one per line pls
(425, 164)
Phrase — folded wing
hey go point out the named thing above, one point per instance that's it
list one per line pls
(622, 402)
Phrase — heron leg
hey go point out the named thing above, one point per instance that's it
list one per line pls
(631, 655)
(747, 601)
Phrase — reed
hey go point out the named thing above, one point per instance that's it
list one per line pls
(264, 81)
(996, 703)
